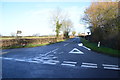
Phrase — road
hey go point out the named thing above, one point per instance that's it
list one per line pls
(68, 59)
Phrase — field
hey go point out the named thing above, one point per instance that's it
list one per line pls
(8, 43)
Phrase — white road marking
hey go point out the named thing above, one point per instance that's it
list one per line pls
(90, 66)
(114, 68)
(46, 58)
(66, 44)
(5, 52)
(51, 55)
(48, 53)
(51, 51)
(8, 58)
(41, 54)
(74, 51)
(54, 57)
(67, 64)
(110, 65)
(37, 59)
(54, 61)
(70, 62)
(60, 52)
(86, 48)
(80, 44)
(19, 59)
(33, 61)
(55, 50)
(46, 62)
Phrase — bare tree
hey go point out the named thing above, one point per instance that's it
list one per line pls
(67, 25)
(57, 17)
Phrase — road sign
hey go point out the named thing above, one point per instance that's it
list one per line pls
(77, 51)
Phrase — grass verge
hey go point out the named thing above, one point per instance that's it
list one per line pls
(101, 49)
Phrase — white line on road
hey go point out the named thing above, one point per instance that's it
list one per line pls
(77, 51)
(110, 65)
(89, 64)
(115, 68)
(86, 48)
(80, 44)
(55, 50)
(70, 62)
(33, 61)
(51, 51)
(60, 52)
(7, 58)
(37, 59)
(54, 57)
(67, 64)
(66, 44)
(46, 62)
(51, 55)
(53, 61)
(48, 53)
(19, 60)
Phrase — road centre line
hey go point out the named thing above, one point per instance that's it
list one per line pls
(48, 53)
(106, 65)
(51, 51)
(55, 50)
(66, 44)
(70, 62)
(89, 64)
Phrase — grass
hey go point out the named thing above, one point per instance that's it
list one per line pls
(101, 49)
(30, 45)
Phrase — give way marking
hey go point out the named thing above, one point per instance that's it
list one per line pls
(77, 51)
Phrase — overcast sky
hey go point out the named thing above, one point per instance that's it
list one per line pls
(33, 17)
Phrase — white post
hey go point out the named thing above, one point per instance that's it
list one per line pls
(98, 44)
